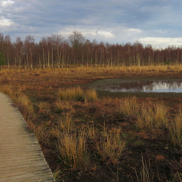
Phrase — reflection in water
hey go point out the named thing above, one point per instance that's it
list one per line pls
(143, 86)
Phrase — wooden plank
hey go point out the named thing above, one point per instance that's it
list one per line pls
(21, 158)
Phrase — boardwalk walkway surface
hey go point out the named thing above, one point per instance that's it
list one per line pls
(21, 159)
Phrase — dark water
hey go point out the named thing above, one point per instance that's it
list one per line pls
(119, 85)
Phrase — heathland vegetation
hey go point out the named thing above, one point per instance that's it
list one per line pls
(89, 135)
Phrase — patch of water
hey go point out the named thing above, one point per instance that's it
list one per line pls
(159, 86)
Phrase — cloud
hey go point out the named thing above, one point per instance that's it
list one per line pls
(161, 42)
(105, 34)
(88, 32)
(104, 20)
(133, 30)
(7, 3)
(5, 22)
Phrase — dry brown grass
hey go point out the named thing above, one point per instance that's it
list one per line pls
(145, 174)
(128, 107)
(24, 105)
(78, 94)
(109, 144)
(75, 93)
(22, 101)
(152, 115)
(90, 95)
(7, 89)
(175, 129)
(44, 108)
(177, 177)
(73, 150)
(65, 106)
(66, 123)
(41, 134)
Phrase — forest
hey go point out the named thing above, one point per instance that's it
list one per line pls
(58, 52)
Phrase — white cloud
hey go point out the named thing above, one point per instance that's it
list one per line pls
(133, 30)
(7, 3)
(105, 34)
(88, 32)
(161, 42)
(5, 22)
(84, 31)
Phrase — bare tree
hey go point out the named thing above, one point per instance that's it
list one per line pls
(77, 41)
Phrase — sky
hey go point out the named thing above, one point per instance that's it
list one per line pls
(154, 22)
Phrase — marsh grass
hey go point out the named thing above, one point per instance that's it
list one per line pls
(177, 177)
(25, 106)
(7, 89)
(41, 134)
(175, 129)
(73, 150)
(91, 131)
(109, 144)
(54, 133)
(78, 94)
(66, 123)
(22, 101)
(44, 108)
(152, 115)
(176, 166)
(75, 93)
(145, 174)
(90, 95)
(64, 106)
(128, 107)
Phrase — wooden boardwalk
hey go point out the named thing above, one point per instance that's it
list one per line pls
(21, 159)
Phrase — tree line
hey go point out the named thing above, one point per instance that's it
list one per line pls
(56, 51)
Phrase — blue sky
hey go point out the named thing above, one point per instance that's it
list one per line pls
(155, 22)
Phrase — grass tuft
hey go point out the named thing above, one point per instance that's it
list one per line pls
(90, 95)
(75, 93)
(44, 108)
(152, 115)
(64, 106)
(66, 123)
(73, 150)
(175, 129)
(128, 107)
(78, 94)
(109, 144)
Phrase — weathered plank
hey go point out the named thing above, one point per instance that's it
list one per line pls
(21, 158)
